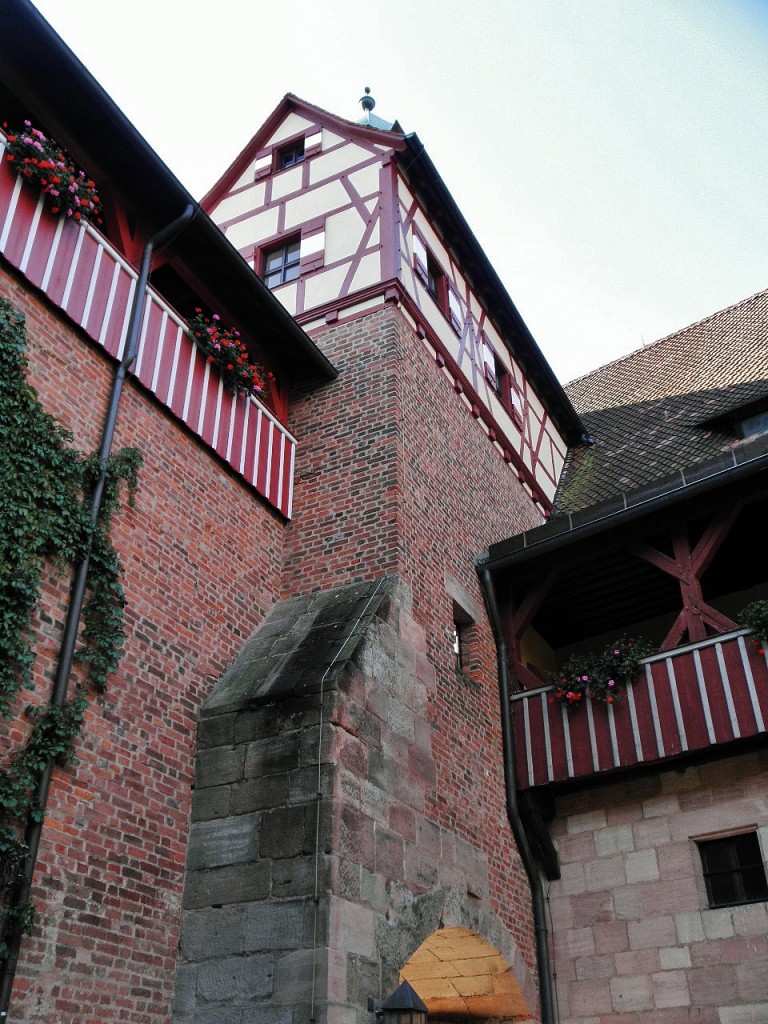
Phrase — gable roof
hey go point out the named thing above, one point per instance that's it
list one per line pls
(290, 104)
(668, 406)
(417, 167)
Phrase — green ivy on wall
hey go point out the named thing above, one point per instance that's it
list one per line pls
(45, 513)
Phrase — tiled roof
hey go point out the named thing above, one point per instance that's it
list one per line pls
(668, 405)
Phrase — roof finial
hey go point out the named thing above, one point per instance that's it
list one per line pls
(367, 102)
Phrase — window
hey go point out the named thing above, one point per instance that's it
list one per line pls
(500, 379)
(281, 264)
(755, 424)
(733, 870)
(458, 645)
(431, 273)
(288, 156)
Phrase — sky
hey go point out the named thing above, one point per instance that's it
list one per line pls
(609, 155)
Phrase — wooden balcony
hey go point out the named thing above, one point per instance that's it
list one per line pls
(80, 273)
(685, 700)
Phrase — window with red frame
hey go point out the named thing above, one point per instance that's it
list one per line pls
(436, 283)
(502, 382)
(280, 264)
(290, 155)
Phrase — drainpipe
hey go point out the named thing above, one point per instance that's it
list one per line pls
(77, 594)
(543, 962)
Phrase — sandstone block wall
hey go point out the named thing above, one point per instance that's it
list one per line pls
(312, 856)
(635, 941)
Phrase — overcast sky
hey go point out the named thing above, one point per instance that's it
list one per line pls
(610, 155)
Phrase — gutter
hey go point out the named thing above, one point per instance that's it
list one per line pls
(543, 960)
(556, 535)
(77, 596)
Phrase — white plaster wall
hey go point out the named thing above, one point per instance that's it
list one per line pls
(343, 234)
(245, 201)
(331, 164)
(314, 203)
(253, 230)
(324, 286)
(292, 125)
(287, 181)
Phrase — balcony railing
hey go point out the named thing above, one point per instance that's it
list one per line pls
(78, 270)
(684, 700)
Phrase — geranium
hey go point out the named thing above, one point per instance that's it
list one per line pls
(41, 160)
(755, 617)
(227, 352)
(573, 681)
(599, 677)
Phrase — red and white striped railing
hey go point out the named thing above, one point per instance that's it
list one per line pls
(708, 693)
(80, 272)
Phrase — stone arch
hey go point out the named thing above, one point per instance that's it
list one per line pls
(462, 961)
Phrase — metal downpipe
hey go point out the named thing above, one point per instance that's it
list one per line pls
(546, 994)
(77, 594)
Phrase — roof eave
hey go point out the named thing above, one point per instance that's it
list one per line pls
(420, 166)
(48, 79)
(565, 531)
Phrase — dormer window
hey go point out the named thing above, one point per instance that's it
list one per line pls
(755, 424)
(290, 155)
(281, 263)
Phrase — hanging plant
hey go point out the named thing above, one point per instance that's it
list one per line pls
(754, 617)
(600, 677)
(40, 160)
(45, 496)
(224, 349)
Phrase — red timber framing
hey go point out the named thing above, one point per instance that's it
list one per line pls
(708, 684)
(686, 700)
(80, 273)
(696, 619)
(353, 192)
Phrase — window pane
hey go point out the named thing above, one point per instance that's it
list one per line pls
(755, 886)
(722, 890)
(273, 261)
(747, 849)
(717, 855)
(282, 264)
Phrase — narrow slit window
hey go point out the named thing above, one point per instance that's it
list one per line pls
(457, 646)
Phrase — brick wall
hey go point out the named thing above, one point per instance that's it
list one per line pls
(202, 555)
(634, 938)
(393, 476)
(424, 492)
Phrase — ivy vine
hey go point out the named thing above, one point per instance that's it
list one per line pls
(45, 509)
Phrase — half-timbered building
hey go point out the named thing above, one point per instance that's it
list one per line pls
(291, 794)
(344, 218)
(331, 758)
